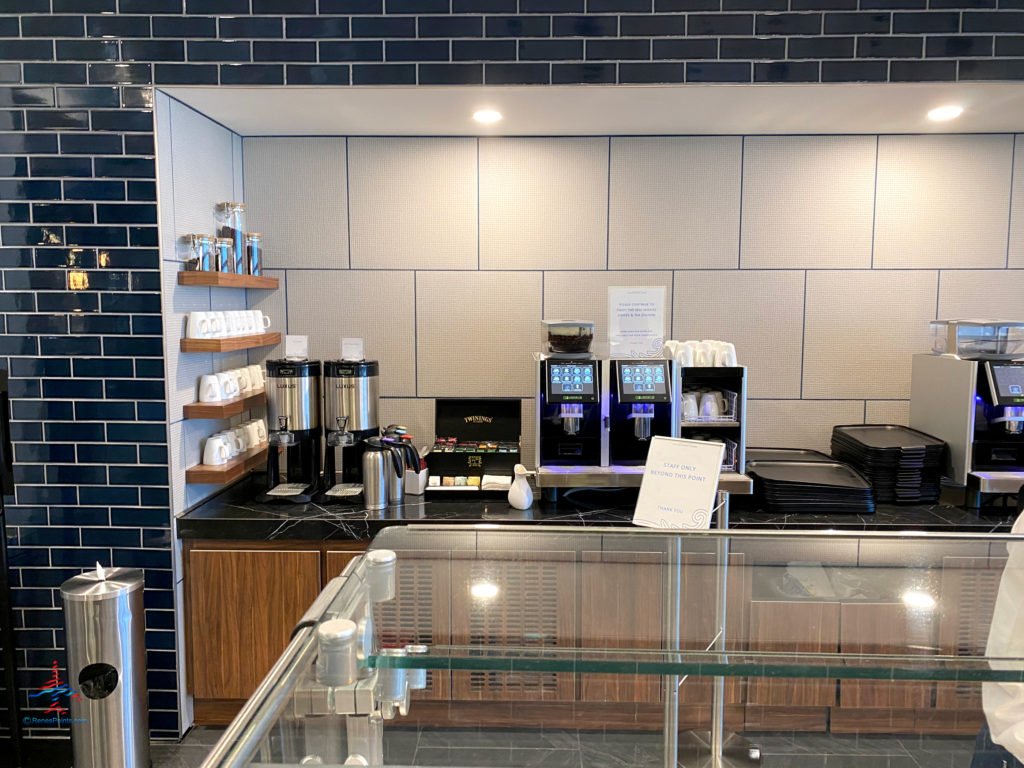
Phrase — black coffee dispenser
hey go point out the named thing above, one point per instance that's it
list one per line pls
(293, 416)
(569, 404)
(640, 404)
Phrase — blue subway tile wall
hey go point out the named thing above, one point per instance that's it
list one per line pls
(81, 293)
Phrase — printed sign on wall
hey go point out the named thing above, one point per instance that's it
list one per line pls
(636, 321)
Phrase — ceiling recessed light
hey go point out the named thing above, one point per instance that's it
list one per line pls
(947, 112)
(921, 600)
(484, 590)
(487, 115)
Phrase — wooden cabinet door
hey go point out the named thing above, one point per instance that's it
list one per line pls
(880, 628)
(243, 605)
(535, 606)
(810, 627)
(336, 561)
(420, 614)
(622, 606)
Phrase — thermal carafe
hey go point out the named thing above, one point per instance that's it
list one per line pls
(293, 412)
(350, 405)
(383, 473)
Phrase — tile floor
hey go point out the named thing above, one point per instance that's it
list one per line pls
(586, 749)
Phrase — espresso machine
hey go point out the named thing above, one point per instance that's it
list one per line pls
(350, 417)
(641, 403)
(970, 393)
(570, 429)
(293, 415)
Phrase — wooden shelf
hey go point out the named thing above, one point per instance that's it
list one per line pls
(219, 474)
(230, 343)
(227, 280)
(222, 409)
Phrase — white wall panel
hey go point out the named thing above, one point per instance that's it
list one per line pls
(543, 203)
(476, 332)
(415, 414)
(807, 201)
(862, 327)
(799, 423)
(203, 169)
(296, 196)
(1016, 249)
(965, 293)
(943, 201)
(584, 295)
(887, 412)
(414, 203)
(374, 305)
(674, 202)
(274, 305)
(761, 312)
(528, 440)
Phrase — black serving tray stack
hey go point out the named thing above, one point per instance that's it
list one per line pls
(786, 454)
(810, 487)
(903, 465)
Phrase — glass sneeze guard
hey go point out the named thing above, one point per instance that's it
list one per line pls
(553, 615)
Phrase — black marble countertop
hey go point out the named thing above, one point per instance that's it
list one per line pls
(233, 515)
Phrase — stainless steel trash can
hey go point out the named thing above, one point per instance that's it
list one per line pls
(106, 644)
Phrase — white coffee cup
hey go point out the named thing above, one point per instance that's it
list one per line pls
(242, 436)
(725, 356)
(234, 445)
(228, 385)
(219, 324)
(256, 377)
(198, 325)
(216, 451)
(260, 320)
(684, 355)
(690, 409)
(261, 430)
(244, 381)
(710, 406)
(252, 429)
(209, 388)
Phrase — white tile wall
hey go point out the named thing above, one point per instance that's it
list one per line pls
(414, 203)
(981, 293)
(543, 203)
(274, 305)
(807, 201)
(799, 423)
(415, 414)
(584, 295)
(377, 306)
(1015, 255)
(943, 201)
(861, 328)
(674, 202)
(887, 412)
(297, 197)
(732, 306)
(475, 332)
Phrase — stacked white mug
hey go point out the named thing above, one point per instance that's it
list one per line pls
(229, 443)
(702, 354)
(221, 324)
(238, 382)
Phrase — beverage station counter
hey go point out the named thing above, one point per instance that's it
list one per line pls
(234, 514)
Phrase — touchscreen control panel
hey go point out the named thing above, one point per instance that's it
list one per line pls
(643, 381)
(572, 381)
(1006, 381)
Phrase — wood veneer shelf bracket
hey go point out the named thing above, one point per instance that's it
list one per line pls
(230, 343)
(224, 409)
(227, 280)
(219, 474)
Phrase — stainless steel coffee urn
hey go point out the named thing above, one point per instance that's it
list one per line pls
(350, 408)
(293, 414)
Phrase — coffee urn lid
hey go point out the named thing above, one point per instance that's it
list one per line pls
(345, 369)
(293, 368)
(102, 584)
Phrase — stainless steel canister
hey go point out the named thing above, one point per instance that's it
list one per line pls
(350, 392)
(106, 645)
(293, 390)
